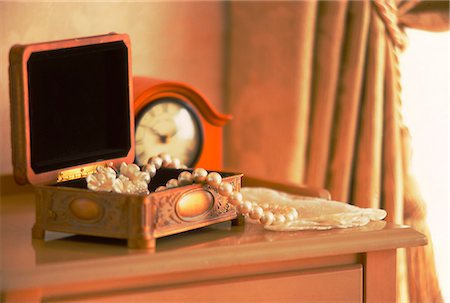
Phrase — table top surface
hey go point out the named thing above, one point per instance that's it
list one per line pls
(24, 260)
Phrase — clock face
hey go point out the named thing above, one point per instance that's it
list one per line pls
(168, 125)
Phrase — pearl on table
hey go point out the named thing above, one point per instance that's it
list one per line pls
(279, 219)
(235, 198)
(225, 189)
(160, 188)
(175, 163)
(289, 217)
(185, 178)
(199, 175)
(274, 206)
(156, 161)
(150, 168)
(294, 213)
(166, 159)
(172, 183)
(213, 179)
(256, 213)
(245, 207)
(267, 218)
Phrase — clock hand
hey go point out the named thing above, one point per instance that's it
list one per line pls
(173, 133)
(166, 137)
(151, 128)
(162, 138)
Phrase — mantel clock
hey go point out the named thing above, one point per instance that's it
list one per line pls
(174, 118)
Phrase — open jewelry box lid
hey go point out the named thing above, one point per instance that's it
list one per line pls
(71, 107)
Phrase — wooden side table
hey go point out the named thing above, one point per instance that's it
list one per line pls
(213, 264)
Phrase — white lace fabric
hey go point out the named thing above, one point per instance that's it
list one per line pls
(314, 213)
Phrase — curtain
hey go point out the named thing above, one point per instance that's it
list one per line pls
(314, 88)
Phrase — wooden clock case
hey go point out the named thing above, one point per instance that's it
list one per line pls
(72, 109)
(147, 90)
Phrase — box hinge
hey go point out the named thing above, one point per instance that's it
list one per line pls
(77, 173)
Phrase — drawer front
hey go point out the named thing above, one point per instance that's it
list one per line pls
(337, 284)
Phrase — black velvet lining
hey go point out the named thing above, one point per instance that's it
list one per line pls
(78, 105)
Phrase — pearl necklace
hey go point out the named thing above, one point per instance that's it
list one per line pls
(134, 180)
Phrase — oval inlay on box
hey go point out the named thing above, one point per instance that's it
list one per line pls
(86, 209)
(193, 205)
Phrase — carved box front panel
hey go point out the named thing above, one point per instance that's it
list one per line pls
(83, 212)
(192, 207)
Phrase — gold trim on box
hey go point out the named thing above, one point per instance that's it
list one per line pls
(77, 173)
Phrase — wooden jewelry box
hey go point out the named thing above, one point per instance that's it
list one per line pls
(71, 111)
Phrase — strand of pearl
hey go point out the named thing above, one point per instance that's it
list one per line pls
(265, 213)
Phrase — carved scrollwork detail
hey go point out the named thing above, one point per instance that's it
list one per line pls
(165, 210)
(222, 206)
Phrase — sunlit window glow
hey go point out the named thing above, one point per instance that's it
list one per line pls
(425, 79)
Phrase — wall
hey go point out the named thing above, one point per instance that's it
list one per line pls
(176, 41)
